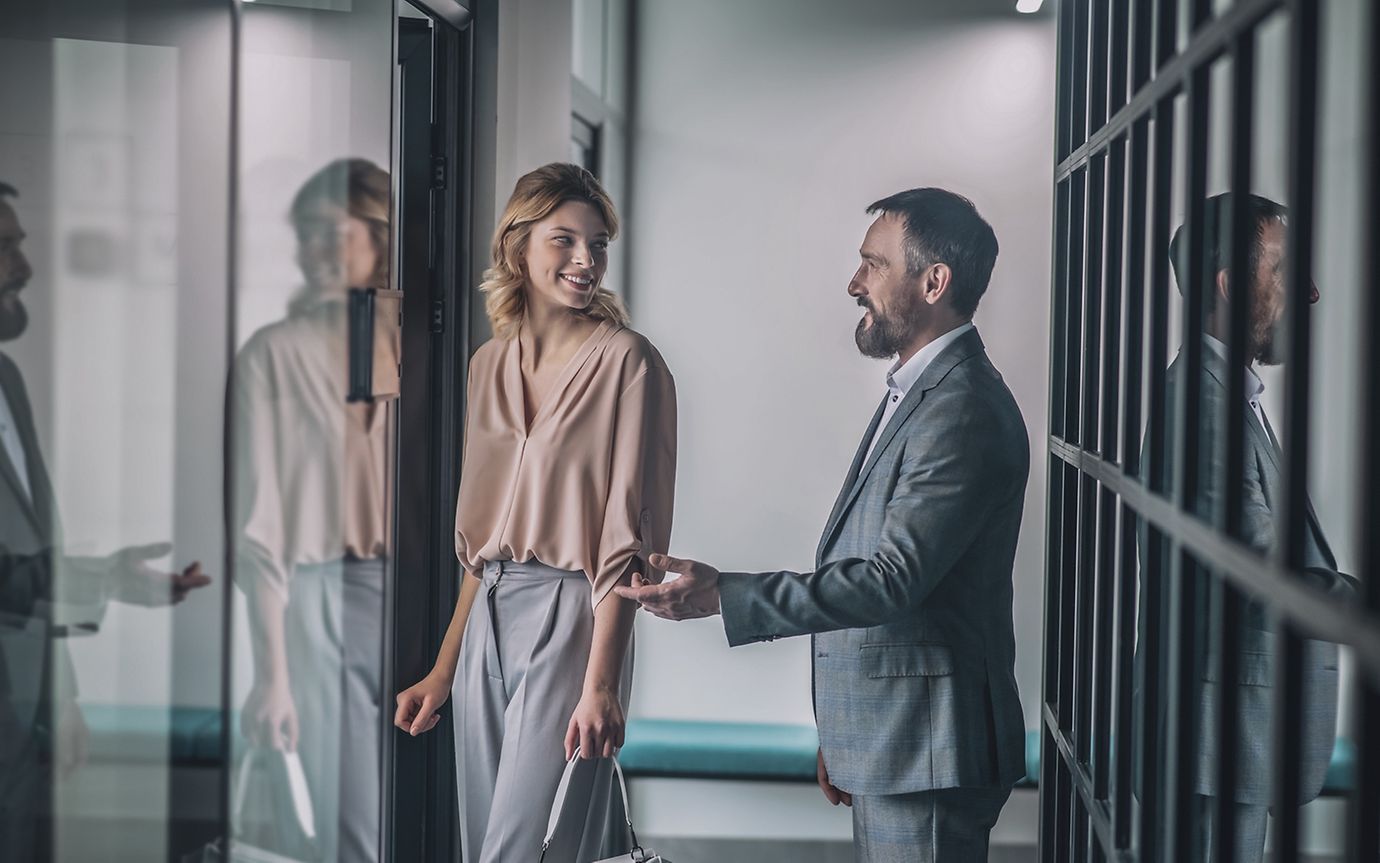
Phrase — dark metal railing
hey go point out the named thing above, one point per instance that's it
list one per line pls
(1148, 589)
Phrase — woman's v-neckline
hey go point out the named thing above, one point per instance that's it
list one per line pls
(558, 386)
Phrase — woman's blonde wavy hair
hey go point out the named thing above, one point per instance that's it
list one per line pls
(363, 190)
(536, 196)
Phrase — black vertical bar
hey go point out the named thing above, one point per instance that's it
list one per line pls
(1156, 559)
(1303, 86)
(1059, 312)
(1063, 127)
(1113, 280)
(1185, 589)
(1083, 644)
(1075, 279)
(1068, 573)
(1119, 55)
(1086, 575)
(1097, 73)
(1132, 384)
(1107, 633)
(1142, 42)
(1364, 829)
(1226, 633)
(1134, 310)
(1104, 636)
(1166, 31)
(1093, 323)
(1125, 751)
(225, 782)
(1155, 466)
(1081, 11)
(1049, 752)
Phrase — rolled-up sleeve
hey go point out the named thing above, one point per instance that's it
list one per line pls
(642, 480)
(261, 558)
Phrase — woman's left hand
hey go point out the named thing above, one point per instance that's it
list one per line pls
(597, 725)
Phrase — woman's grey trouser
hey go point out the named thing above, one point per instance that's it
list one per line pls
(521, 672)
(334, 632)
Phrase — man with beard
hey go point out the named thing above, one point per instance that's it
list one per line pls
(1264, 485)
(910, 603)
(37, 683)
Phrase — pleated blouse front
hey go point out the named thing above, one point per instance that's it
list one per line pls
(310, 469)
(590, 485)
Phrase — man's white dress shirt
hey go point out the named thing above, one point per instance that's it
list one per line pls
(901, 377)
(1255, 387)
(14, 447)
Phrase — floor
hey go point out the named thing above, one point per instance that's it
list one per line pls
(773, 851)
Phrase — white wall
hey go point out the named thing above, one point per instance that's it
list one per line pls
(761, 133)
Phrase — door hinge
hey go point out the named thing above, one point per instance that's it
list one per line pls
(438, 316)
(439, 173)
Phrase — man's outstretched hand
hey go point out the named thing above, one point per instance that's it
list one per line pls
(137, 583)
(694, 594)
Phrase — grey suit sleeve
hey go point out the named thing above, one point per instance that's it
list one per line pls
(944, 494)
(24, 579)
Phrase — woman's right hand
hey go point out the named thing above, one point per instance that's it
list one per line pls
(417, 704)
(269, 717)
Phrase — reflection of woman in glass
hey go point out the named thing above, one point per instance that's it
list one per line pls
(312, 515)
(569, 467)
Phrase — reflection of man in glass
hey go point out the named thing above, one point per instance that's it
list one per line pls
(1262, 494)
(313, 520)
(37, 682)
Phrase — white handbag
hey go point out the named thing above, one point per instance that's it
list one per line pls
(284, 772)
(638, 854)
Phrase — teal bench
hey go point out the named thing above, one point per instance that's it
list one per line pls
(674, 748)
(687, 749)
(125, 733)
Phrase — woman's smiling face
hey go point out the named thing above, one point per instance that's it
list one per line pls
(567, 254)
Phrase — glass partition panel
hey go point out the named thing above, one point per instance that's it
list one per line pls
(311, 436)
(114, 130)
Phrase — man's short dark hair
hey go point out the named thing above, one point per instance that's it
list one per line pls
(1216, 232)
(945, 228)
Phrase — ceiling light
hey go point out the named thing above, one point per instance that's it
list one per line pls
(1027, 6)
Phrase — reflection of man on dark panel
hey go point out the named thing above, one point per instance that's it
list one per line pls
(1262, 494)
(37, 684)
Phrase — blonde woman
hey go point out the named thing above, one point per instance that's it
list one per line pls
(567, 484)
(313, 523)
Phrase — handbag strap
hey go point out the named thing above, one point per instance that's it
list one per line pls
(297, 787)
(558, 805)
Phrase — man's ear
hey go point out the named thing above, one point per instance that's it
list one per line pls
(935, 282)
(1223, 286)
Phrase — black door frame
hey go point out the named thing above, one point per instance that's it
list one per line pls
(433, 143)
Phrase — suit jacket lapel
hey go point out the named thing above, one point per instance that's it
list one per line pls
(40, 487)
(1314, 525)
(966, 346)
(19, 406)
(853, 470)
(1264, 440)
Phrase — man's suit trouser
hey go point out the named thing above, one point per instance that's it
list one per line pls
(1250, 830)
(950, 825)
(23, 787)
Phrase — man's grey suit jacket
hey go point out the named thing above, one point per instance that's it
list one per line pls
(27, 539)
(1263, 495)
(911, 598)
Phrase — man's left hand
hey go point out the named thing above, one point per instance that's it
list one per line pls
(694, 594)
